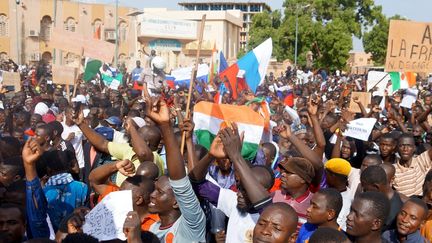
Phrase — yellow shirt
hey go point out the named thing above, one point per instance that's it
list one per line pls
(122, 151)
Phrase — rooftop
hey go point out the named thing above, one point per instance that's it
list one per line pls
(225, 2)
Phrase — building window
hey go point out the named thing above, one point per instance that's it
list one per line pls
(97, 29)
(4, 24)
(45, 28)
(70, 25)
(122, 31)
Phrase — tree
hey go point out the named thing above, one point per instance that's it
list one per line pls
(325, 28)
(265, 25)
(375, 41)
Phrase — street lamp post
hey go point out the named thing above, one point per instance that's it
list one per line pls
(296, 32)
(17, 34)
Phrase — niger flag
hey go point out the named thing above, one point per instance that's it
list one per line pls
(209, 118)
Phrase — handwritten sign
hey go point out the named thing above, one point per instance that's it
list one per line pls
(63, 74)
(409, 47)
(360, 128)
(77, 43)
(365, 99)
(11, 79)
(105, 221)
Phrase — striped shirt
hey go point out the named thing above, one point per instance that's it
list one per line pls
(409, 180)
(299, 204)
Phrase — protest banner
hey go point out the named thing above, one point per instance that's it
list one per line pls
(63, 74)
(360, 128)
(105, 221)
(11, 79)
(409, 47)
(365, 99)
(82, 45)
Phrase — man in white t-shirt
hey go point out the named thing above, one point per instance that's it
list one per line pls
(73, 134)
(242, 207)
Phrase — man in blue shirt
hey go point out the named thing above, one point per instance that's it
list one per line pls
(411, 216)
(323, 211)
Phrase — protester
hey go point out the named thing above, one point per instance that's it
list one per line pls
(294, 169)
(367, 217)
(412, 214)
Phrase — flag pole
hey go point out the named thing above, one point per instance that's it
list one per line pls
(194, 73)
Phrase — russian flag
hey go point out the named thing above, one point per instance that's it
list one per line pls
(254, 65)
(181, 77)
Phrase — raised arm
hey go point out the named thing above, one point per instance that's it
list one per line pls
(97, 140)
(199, 172)
(140, 146)
(36, 205)
(158, 111)
(318, 133)
(304, 150)
(99, 177)
(232, 146)
(362, 108)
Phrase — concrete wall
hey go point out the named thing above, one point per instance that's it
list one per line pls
(31, 12)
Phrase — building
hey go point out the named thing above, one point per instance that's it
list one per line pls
(173, 34)
(359, 62)
(25, 28)
(249, 8)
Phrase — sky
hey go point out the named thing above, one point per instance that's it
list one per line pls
(416, 10)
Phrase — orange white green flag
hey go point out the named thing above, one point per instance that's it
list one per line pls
(402, 80)
(209, 118)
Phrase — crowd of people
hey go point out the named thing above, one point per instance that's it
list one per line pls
(60, 156)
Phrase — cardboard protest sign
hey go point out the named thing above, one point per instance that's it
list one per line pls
(11, 79)
(365, 99)
(360, 128)
(63, 74)
(409, 47)
(105, 221)
(82, 45)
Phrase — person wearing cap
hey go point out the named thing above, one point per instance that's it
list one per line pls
(296, 177)
(113, 124)
(337, 171)
(137, 150)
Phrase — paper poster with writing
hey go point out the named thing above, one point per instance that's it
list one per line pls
(105, 221)
(360, 128)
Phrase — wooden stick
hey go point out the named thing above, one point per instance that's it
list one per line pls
(194, 72)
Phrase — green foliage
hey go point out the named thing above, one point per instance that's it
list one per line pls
(240, 53)
(326, 28)
(375, 41)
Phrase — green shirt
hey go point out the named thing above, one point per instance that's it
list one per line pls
(123, 151)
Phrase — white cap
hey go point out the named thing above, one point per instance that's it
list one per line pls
(41, 108)
(158, 63)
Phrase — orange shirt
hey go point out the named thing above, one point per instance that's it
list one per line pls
(426, 230)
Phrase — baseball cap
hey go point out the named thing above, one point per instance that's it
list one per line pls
(113, 120)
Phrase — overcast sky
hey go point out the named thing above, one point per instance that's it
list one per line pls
(418, 10)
